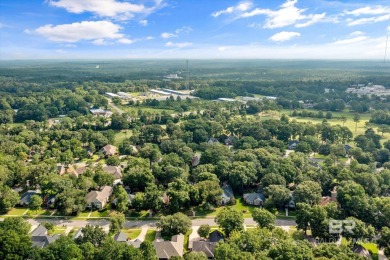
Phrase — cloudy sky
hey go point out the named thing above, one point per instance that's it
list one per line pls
(263, 29)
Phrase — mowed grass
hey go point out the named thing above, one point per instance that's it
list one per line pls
(120, 136)
(132, 233)
(336, 120)
(57, 230)
(134, 110)
(150, 235)
(17, 211)
(240, 206)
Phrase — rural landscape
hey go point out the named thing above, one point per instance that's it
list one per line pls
(194, 130)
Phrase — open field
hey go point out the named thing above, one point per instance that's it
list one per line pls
(121, 135)
(134, 110)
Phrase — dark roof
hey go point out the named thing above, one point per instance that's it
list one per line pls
(227, 193)
(39, 231)
(120, 237)
(43, 241)
(26, 197)
(216, 236)
(253, 196)
(358, 249)
(206, 247)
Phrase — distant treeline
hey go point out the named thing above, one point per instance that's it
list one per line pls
(380, 117)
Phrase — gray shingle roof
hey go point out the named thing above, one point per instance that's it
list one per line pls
(39, 231)
(120, 237)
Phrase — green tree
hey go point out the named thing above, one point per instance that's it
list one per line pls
(35, 202)
(15, 243)
(64, 248)
(204, 231)
(148, 251)
(264, 218)
(230, 219)
(356, 119)
(122, 199)
(303, 216)
(195, 256)
(308, 192)
(113, 160)
(360, 231)
(117, 220)
(286, 250)
(171, 225)
(8, 199)
(92, 234)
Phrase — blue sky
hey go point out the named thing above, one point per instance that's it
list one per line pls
(262, 29)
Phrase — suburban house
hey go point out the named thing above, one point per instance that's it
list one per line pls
(131, 197)
(168, 249)
(120, 237)
(26, 197)
(40, 237)
(216, 236)
(227, 194)
(361, 251)
(328, 199)
(98, 199)
(292, 144)
(116, 171)
(101, 112)
(195, 160)
(135, 243)
(206, 247)
(255, 198)
(109, 150)
(212, 140)
(230, 140)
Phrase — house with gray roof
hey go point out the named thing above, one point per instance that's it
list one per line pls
(40, 237)
(26, 197)
(227, 194)
(255, 198)
(168, 249)
(135, 243)
(120, 237)
(109, 150)
(208, 246)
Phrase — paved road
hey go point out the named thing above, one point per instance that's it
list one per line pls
(141, 223)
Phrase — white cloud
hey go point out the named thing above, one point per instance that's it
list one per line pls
(368, 10)
(86, 30)
(352, 40)
(125, 41)
(240, 7)
(122, 10)
(314, 19)
(143, 22)
(360, 21)
(149, 38)
(223, 48)
(178, 44)
(356, 33)
(287, 14)
(284, 36)
(99, 42)
(184, 29)
(166, 35)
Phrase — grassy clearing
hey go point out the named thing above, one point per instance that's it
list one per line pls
(150, 235)
(134, 110)
(40, 212)
(132, 233)
(122, 135)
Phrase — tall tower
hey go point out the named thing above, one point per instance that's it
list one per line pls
(187, 77)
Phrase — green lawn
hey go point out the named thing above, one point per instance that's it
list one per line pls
(135, 214)
(57, 230)
(240, 206)
(132, 233)
(134, 109)
(372, 248)
(186, 238)
(84, 214)
(150, 235)
(122, 135)
(101, 214)
(40, 212)
(17, 211)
